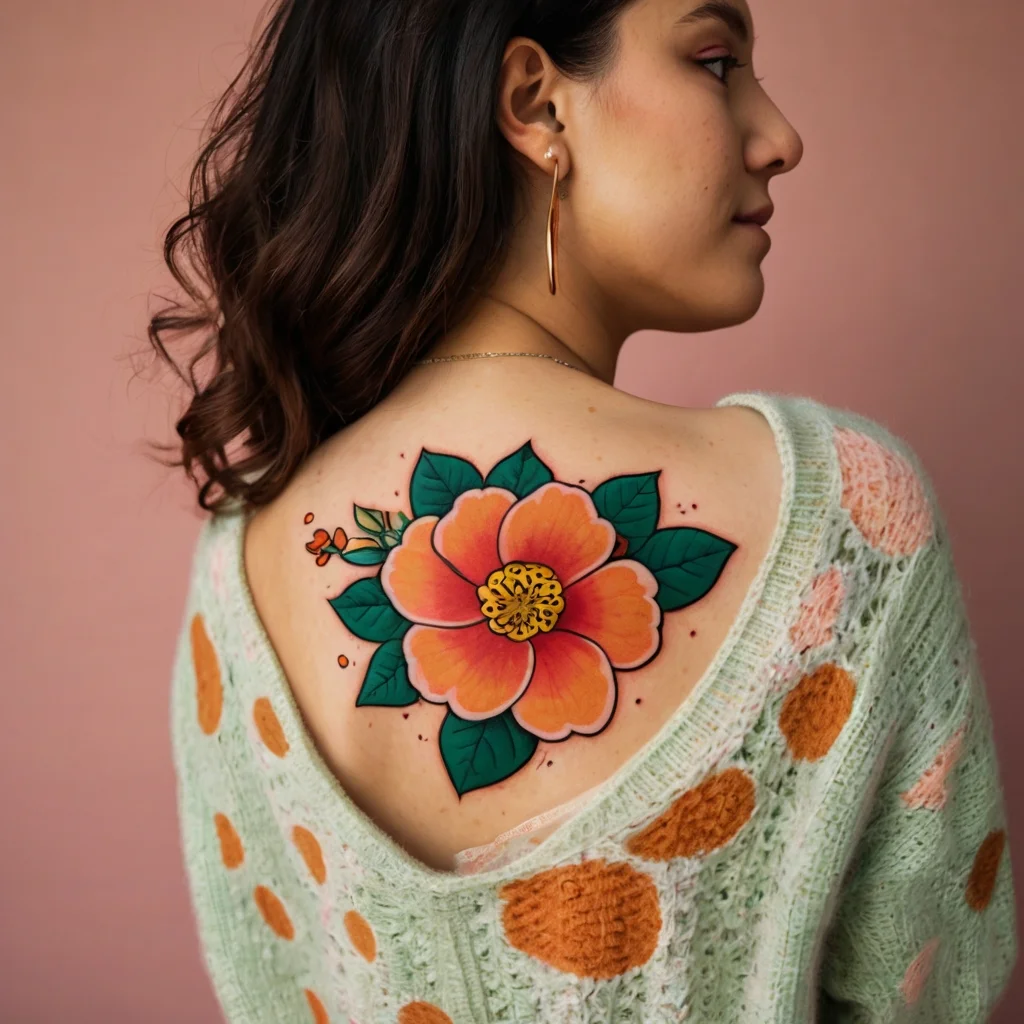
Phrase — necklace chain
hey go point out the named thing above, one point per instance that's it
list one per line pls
(482, 355)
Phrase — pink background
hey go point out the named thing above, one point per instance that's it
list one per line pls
(893, 288)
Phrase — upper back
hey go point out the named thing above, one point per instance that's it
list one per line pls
(715, 470)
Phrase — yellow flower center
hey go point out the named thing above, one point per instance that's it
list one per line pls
(521, 599)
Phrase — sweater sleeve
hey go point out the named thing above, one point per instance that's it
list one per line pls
(925, 928)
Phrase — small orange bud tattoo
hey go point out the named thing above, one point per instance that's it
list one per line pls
(320, 538)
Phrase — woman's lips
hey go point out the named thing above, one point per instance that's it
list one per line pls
(753, 227)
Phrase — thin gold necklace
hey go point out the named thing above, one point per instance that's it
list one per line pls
(482, 355)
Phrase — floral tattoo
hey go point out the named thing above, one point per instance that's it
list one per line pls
(515, 599)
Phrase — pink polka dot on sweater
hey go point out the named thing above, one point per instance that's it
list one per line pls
(883, 494)
(819, 612)
(930, 789)
(918, 972)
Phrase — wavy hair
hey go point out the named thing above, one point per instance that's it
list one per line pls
(352, 197)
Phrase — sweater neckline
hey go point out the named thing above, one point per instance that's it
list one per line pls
(690, 741)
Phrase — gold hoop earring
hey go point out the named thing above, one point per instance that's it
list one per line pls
(552, 232)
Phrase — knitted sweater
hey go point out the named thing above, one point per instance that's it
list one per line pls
(818, 833)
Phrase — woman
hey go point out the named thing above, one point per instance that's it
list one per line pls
(502, 694)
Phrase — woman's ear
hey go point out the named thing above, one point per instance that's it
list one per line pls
(530, 93)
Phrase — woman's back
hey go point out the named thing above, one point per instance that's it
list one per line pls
(818, 829)
(718, 470)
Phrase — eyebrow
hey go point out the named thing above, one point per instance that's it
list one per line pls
(720, 10)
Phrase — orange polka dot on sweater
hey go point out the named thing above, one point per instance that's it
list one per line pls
(231, 851)
(819, 612)
(594, 920)
(209, 691)
(361, 935)
(273, 912)
(317, 1008)
(309, 847)
(982, 880)
(269, 727)
(883, 494)
(422, 1013)
(703, 819)
(815, 711)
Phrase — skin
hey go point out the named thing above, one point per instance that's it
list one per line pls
(654, 161)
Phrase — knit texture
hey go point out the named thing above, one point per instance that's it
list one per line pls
(818, 833)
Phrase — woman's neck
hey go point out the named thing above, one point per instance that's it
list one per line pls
(498, 325)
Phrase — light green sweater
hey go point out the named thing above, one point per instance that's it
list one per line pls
(817, 834)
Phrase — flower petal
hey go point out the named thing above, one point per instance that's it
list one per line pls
(615, 607)
(422, 586)
(467, 536)
(558, 526)
(475, 671)
(572, 688)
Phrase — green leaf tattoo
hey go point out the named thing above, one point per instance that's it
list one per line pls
(631, 504)
(438, 480)
(686, 562)
(521, 472)
(387, 681)
(367, 612)
(368, 519)
(478, 754)
(365, 556)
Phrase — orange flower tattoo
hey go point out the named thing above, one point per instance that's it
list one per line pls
(516, 600)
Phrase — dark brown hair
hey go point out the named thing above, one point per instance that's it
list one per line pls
(352, 198)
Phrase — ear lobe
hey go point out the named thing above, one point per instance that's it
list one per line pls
(551, 155)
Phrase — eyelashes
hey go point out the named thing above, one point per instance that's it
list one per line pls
(731, 64)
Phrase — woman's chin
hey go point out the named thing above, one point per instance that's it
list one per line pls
(747, 300)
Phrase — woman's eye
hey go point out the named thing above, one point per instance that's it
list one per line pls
(731, 63)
